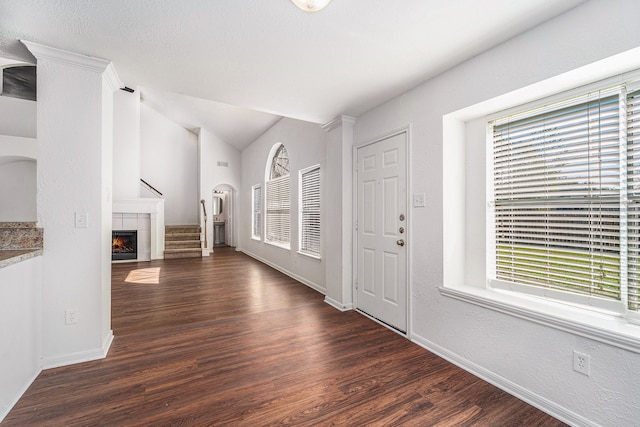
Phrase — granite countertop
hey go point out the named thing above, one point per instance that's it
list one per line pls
(13, 256)
(19, 241)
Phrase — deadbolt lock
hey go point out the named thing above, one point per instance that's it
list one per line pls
(401, 217)
(401, 230)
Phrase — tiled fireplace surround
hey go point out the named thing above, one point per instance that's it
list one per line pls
(147, 217)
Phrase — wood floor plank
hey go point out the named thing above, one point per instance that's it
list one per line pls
(226, 340)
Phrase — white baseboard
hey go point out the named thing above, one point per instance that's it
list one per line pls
(337, 304)
(506, 385)
(79, 357)
(300, 279)
(15, 400)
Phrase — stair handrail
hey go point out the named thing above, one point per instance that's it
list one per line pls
(204, 211)
(151, 188)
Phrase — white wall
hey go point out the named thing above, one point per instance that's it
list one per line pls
(213, 150)
(20, 346)
(169, 162)
(126, 145)
(17, 159)
(17, 117)
(18, 190)
(305, 144)
(531, 360)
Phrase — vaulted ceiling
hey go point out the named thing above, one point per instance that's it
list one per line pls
(237, 66)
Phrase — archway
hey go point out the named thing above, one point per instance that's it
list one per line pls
(224, 218)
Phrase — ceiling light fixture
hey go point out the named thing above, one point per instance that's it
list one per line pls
(311, 5)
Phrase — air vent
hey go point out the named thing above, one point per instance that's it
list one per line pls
(223, 164)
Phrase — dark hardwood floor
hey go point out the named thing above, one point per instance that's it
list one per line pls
(226, 340)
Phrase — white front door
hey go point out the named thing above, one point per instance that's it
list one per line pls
(381, 231)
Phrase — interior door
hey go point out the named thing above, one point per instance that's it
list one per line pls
(381, 231)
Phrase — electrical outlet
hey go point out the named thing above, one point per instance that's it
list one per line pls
(71, 316)
(581, 363)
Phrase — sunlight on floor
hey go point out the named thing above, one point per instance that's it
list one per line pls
(144, 275)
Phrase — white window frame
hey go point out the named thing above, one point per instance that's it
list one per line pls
(256, 212)
(466, 277)
(518, 184)
(278, 231)
(277, 226)
(304, 231)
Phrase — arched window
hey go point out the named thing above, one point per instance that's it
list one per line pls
(278, 198)
(279, 163)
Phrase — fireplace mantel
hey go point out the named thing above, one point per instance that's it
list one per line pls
(155, 209)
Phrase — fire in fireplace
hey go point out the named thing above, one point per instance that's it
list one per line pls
(124, 244)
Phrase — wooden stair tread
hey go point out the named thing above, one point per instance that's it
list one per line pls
(182, 241)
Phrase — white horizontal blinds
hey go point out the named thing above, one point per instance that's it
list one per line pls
(556, 187)
(633, 195)
(277, 210)
(310, 215)
(257, 212)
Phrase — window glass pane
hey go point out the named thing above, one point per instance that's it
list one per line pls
(280, 163)
(278, 207)
(556, 186)
(310, 211)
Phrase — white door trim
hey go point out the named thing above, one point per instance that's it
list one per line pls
(354, 239)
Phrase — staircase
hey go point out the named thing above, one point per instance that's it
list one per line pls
(182, 241)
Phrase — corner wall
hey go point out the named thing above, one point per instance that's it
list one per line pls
(169, 162)
(305, 144)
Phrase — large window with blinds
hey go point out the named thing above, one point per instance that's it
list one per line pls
(256, 213)
(309, 202)
(278, 216)
(564, 219)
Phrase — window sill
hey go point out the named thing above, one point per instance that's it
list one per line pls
(257, 239)
(309, 255)
(594, 325)
(278, 245)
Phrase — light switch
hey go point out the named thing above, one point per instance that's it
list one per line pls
(418, 200)
(82, 219)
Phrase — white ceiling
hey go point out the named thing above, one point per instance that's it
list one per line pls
(236, 66)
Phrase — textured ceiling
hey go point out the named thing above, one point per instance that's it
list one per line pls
(267, 58)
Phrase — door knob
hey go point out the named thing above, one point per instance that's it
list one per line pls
(400, 242)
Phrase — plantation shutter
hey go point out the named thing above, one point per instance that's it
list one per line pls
(257, 211)
(310, 215)
(556, 186)
(633, 195)
(278, 216)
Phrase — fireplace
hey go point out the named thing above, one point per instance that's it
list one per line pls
(124, 244)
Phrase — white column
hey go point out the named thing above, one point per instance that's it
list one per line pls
(338, 213)
(74, 176)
